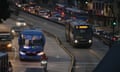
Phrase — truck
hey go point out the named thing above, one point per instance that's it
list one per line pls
(5, 38)
(5, 64)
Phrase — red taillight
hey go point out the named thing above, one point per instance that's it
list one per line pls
(114, 38)
(44, 57)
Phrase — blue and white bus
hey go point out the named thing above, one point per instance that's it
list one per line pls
(31, 44)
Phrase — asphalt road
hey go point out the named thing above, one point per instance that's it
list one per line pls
(58, 59)
(86, 59)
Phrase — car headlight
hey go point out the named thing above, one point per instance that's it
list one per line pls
(9, 45)
(41, 53)
(59, 18)
(18, 24)
(46, 16)
(24, 24)
(13, 31)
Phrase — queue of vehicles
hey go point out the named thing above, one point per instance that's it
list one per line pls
(62, 14)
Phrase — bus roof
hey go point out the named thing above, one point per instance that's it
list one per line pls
(76, 10)
(32, 32)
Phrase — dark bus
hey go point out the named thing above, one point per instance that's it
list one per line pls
(79, 33)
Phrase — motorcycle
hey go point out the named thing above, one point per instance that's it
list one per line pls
(44, 61)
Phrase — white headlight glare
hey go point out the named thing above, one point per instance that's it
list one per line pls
(18, 24)
(12, 31)
(9, 45)
(46, 16)
(22, 53)
(59, 19)
(19, 5)
(76, 41)
(90, 41)
(26, 47)
(40, 53)
(24, 24)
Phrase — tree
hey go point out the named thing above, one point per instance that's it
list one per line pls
(4, 10)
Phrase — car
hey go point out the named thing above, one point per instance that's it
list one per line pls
(44, 12)
(55, 17)
(15, 30)
(20, 22)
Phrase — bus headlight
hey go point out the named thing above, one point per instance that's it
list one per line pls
(90, 41)
(26, 47)
(22, 53)
(9, 45)
(40, 53)
(76, 41)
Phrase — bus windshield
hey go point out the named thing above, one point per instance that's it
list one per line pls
(34, 40)
(83, 32)
(81, 16)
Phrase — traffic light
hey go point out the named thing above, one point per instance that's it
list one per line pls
(4, 10)
(114, 23)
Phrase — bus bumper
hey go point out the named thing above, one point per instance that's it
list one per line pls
(25, 57)
(80, 44)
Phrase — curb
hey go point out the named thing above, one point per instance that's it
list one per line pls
(65, 49)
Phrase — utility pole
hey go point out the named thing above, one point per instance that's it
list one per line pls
(116, 12)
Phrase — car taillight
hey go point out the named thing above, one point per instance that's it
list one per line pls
(114, 38)
(44, 57)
